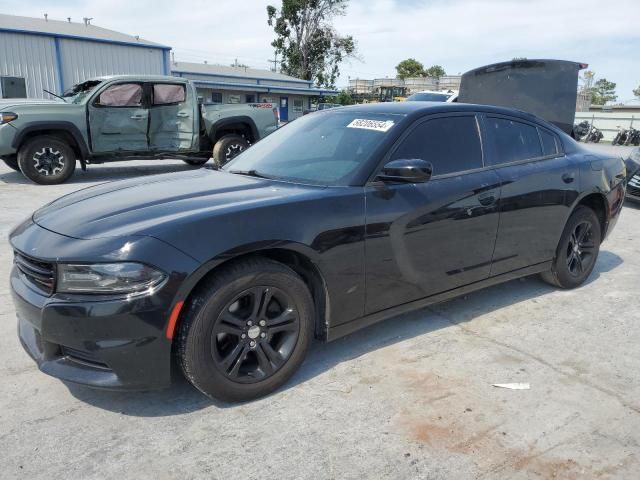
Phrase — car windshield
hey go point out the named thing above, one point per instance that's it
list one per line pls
(324, 148)
(78, 92)
(429, 97)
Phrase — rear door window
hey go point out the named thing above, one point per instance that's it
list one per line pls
(121, 95)
(451, 144)
(512, 141)
(549, 145)
(167, 94)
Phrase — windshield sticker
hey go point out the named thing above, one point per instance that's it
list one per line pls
(377, 125)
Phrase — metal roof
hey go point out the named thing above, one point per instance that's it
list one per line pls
(240, 72)
(66, 29)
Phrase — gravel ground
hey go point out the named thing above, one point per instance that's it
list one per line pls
(408, 398)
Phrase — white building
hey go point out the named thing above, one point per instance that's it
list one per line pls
(53, 55)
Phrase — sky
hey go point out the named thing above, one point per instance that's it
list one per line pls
(457, 34)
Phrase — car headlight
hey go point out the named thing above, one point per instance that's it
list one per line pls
(6, 117)
(107, 278)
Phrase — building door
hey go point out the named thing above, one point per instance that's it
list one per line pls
(284, 109)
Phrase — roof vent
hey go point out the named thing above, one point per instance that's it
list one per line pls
(46, 17)
(205, 62)
(87, 21)
(69, 19)
(137, 37)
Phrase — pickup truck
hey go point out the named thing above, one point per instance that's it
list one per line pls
(125, 117)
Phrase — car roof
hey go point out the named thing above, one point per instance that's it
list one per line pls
(421, 108)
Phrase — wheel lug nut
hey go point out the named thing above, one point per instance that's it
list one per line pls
(244, 335)
(262, 323)
(249, 323)
(252, 343)
(262, 335)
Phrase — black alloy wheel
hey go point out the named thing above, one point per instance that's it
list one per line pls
(47, 160)
(577, 250)
(229, 147)
(245, 329)
(580, 249)
(255, 334)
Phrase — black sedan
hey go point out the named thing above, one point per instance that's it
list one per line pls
(340, 219)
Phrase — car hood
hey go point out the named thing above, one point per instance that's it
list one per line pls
(7, 103)
(144, 206)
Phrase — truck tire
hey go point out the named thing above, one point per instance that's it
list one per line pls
(196, 162)
(227, 148)
(47, 160)
(12, 163)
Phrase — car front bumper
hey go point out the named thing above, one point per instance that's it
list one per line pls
(7, 134)
(102, 342)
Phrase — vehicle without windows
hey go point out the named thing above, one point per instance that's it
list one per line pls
(342, 219)
(125, 118)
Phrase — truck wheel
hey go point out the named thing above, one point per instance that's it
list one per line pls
(227, 148)
(12, 163)
(47, 160)
(246, 330)
(196, 162)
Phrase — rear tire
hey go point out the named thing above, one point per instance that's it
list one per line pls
(12, 163)
(577, 250)
(227, 148)
(247, 329)
(47, 160)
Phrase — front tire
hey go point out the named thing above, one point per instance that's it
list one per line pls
(246, 331)
(227, 148)
(47, 160)
(11, 162)
(577, 250)
(196, 162)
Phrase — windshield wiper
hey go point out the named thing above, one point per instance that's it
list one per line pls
(251, 173)
(55, 95)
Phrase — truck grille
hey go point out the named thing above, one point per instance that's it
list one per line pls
(40, 274)
(633, 187)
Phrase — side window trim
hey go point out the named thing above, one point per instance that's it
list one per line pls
(416, 124)
(96, 98)
(556, 140)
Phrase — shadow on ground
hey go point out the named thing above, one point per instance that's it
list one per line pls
(107, 172)
(182, 398)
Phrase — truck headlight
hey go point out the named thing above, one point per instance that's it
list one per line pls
(6, 117)
(107, 278)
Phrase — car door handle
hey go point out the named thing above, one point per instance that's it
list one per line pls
(568, 177)
(487, 199)
(138, 117)
(183, 114)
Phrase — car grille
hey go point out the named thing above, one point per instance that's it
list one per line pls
(633, 187)
(38, 273)
(80, 356)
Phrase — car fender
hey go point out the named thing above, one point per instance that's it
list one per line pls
(225, 122)
(68, 127)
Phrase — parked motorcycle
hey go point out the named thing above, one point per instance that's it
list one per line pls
(580, 130)
(621, 136)
(594, 135)
(633, 137)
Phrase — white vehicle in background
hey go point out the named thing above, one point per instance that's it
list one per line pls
(434, 96)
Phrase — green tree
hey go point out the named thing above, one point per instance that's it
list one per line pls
(435, 71)
(344, 98)
(410, 68)
(603, 91)
(311, 48)
(636, 91)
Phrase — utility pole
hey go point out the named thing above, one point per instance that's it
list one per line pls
(275, 62)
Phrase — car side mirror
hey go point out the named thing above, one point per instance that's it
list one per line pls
(412, 170)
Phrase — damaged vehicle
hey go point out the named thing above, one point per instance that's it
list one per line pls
(125, 117)
(344, 218)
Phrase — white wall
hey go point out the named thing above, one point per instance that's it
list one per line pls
(83, 60)
(32, 57)
(607, 121)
